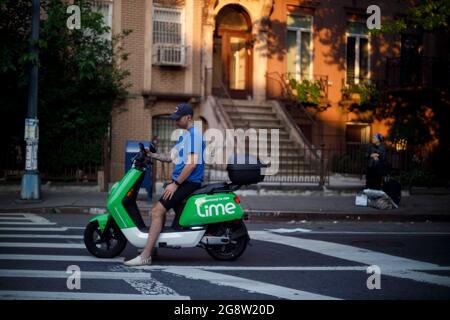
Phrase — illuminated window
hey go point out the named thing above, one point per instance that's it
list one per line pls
(358, 53)
(299, 46)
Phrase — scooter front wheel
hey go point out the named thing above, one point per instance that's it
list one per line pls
(236, 232)
(110, 247)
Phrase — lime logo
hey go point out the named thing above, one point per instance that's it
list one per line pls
(214, 209)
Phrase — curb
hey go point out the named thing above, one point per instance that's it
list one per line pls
(278, 216)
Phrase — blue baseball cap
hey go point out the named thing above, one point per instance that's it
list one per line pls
(183, 109)
(379, 137)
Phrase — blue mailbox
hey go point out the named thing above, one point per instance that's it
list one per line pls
(132, 147)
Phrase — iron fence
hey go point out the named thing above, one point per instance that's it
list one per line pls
(352, 159)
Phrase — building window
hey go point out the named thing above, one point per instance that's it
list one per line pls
(168, 36)
(299, 46)
(105, 8)
(358, 53)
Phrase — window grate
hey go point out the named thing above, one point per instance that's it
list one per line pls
(168, 39)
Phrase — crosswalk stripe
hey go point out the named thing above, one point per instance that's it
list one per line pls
(29, 223)
(42, 245)
(255, 268)
(389, 264)
(400, 233)
(279, 268)
(342, 251)
(41, 257)
(14, 218)
(12, 295)
(285, 230)
(247, 284)
(420, 277)
(43, 236)
(56, 229)
(83, 274)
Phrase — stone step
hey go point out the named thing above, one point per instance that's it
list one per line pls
(258, 124)
(287, 155)
(254, 116)
(246, 103)
(245, 109)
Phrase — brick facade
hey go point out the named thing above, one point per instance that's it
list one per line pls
(157, 89)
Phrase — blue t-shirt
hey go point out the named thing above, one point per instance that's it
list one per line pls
(191, 141)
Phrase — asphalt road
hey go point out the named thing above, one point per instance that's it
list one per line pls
(299, 260)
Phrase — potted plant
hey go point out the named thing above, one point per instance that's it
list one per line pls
(364, 94)
(307, 92)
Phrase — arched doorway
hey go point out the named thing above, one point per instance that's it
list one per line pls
(232, 53)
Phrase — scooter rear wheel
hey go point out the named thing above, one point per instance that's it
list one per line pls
(110, 247)
(230, 251)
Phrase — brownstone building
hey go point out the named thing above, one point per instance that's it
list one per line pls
(232, 61)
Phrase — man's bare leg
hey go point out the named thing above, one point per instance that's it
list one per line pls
(158, 218)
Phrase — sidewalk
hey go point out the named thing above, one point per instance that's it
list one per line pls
(263, 205)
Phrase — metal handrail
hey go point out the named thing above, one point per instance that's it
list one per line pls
(290, 96)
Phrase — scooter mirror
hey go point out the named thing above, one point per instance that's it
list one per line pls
(152, 147)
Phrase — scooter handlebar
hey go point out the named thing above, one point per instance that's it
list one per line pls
(141, 159)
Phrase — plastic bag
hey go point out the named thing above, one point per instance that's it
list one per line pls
(378, 199)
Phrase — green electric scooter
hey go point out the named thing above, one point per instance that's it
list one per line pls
(210, 218)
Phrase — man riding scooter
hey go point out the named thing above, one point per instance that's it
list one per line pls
(187, 176)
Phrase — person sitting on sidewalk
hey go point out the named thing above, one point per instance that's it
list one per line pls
(187, 177)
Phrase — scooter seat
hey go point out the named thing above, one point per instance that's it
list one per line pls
(212, 188)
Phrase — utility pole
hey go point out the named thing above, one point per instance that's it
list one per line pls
(31, 182)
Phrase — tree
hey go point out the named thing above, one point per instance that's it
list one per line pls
(420, 115)
(426, 15)
(79, 80)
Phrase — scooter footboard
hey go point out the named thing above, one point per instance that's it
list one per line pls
(182, 239)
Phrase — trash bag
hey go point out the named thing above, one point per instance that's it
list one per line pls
(378, 199)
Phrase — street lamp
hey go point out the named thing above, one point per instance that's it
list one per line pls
(31, 182)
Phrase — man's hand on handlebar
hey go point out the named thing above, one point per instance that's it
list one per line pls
(149, 153)
(163, 157)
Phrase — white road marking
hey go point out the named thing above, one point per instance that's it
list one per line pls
(84, 274)
(256, 268)
(41, 245)
(43, 236)
(419, 276)
(62, 229)
(145, 286)
(389, 264)
(274, 268)
(14, 218)
(251, 286)
(400, 233)
(41, 257)
(12, 295)
(342, 251)
(29, 223)
(35, 218)
(284, 230)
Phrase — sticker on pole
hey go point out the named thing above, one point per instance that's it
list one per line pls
(31, 129)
